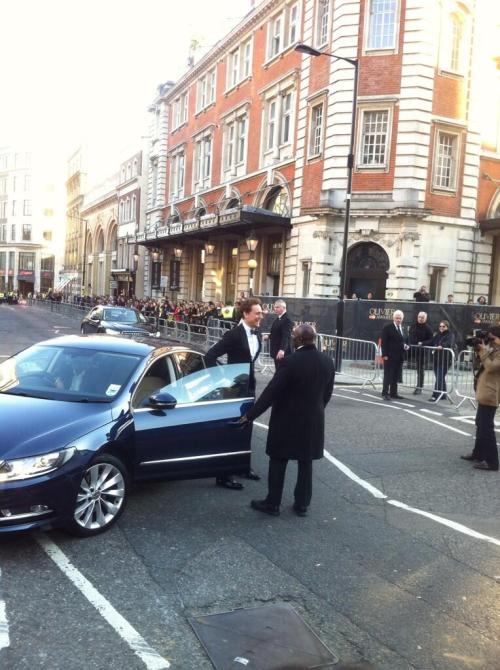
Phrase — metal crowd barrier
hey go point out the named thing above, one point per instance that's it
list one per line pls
(265, 363)
(430, 369)
(464, 378)
(355, 359)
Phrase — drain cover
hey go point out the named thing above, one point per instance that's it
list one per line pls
(273, 637)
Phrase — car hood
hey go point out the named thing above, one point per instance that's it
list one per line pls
(127, 327)
(33, 426)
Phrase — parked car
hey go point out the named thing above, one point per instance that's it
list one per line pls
(117, 321)
(84, 417)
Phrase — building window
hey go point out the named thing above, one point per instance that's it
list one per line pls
(177, 163)
(205, 90)
(3, 185)
(27, 208)
(454, 43)
(316, 130)
(27, 183)
(322, 22)
(374, 138)
(235, 135)
(283, 30)
(445, 161)
(306, 278)
(180, 110)
(239, 64)
(154, 185)
(202, 162)
(3, 232)
(26, 261)
(26, 232)
(382, 24)
(278, 126)
(14, 208)
(13, 232)
(3, 209)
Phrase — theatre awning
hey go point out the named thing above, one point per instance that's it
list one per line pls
(490, 226)
(237, 221)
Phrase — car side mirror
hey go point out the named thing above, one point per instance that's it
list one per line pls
(162, 401)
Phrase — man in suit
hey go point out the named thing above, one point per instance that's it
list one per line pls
(241, 344)
(393, 352)
(298, 394)
(280, 337)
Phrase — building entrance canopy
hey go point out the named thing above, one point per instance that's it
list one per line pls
(237, 221)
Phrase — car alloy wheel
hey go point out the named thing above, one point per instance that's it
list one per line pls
(101, 496)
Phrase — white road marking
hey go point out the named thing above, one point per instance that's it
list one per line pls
(465, 530)
(403, 404)
(151, 659)
(430, 411)
(4, 624)
(349, 390)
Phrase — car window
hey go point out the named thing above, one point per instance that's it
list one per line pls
(223, 382)
(95, 314)
(158, 375)
(188, 362)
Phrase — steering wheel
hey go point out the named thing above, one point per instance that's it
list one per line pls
(35, 378)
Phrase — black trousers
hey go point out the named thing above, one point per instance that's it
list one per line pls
(276, 479)
(392, 372)
(485, 447)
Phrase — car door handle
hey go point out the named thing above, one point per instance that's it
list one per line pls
(236, 423)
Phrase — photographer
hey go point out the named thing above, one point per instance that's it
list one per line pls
(487, 385)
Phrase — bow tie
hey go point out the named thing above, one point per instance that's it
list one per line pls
(254, 331)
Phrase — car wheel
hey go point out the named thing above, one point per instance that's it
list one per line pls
(101, 496)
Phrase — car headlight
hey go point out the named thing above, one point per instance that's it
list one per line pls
(112, 331)
(24, 468)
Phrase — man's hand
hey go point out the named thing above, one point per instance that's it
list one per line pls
(243, 421)
(280, 355)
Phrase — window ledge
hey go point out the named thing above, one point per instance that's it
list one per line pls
(448, 72)
(382, 51)
(383, 167)
(442, 190)
(279, 55)
(237, 85)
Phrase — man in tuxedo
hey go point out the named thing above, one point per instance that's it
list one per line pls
(241, 344)
(298, 394)
(280, 337)
(393, 351)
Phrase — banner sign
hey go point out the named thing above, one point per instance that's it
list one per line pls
(175, 274)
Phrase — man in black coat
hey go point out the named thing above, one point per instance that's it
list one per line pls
(420, 335)
(241, 344)
(280, 337)
(298, 394)
(393, 352)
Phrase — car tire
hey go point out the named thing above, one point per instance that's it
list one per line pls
(101, 497)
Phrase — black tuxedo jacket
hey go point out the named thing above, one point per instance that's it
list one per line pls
(280, 336)
(393, 344)
(298, 393)
(234, 344)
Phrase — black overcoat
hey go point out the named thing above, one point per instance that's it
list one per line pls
(298, 394)
(393, 344)
(280, 337)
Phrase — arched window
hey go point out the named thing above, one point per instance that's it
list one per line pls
(277, 201)
(456, 42)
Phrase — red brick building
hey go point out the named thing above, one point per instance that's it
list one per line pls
(252, 142)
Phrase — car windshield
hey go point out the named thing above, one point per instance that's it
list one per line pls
(67, 373)
(124, 316)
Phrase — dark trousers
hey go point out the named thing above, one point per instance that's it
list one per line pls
(485, 447)
(276, 479)
(440, 370)
(420, 366)
(392, 372)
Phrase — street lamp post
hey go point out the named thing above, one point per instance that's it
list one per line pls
(252, 243)
(311, 51)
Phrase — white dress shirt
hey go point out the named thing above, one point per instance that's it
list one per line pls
(253, 341)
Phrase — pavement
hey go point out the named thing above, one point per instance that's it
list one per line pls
(397, 562)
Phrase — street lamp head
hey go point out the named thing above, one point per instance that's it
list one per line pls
(178, 252)
(155, 255)
(252, 263)
(306, 49)
(136, 258)
(209, 248)
(252, 242)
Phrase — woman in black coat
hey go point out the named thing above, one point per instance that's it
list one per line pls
(442, 358)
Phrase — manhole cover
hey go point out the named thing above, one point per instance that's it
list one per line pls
(272, 637)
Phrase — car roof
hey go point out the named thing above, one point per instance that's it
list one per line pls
(113, 344)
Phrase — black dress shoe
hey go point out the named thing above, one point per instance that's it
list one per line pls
(385, 396)
(300, 510)
(470, 457)
(252, 475)
(264, 506)
(229, 483)
(397, 397)
(485, 466)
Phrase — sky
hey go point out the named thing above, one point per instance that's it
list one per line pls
(83, 72)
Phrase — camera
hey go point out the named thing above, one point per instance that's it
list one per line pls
(478, 337)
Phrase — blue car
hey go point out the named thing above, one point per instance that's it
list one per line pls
(84, 417)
